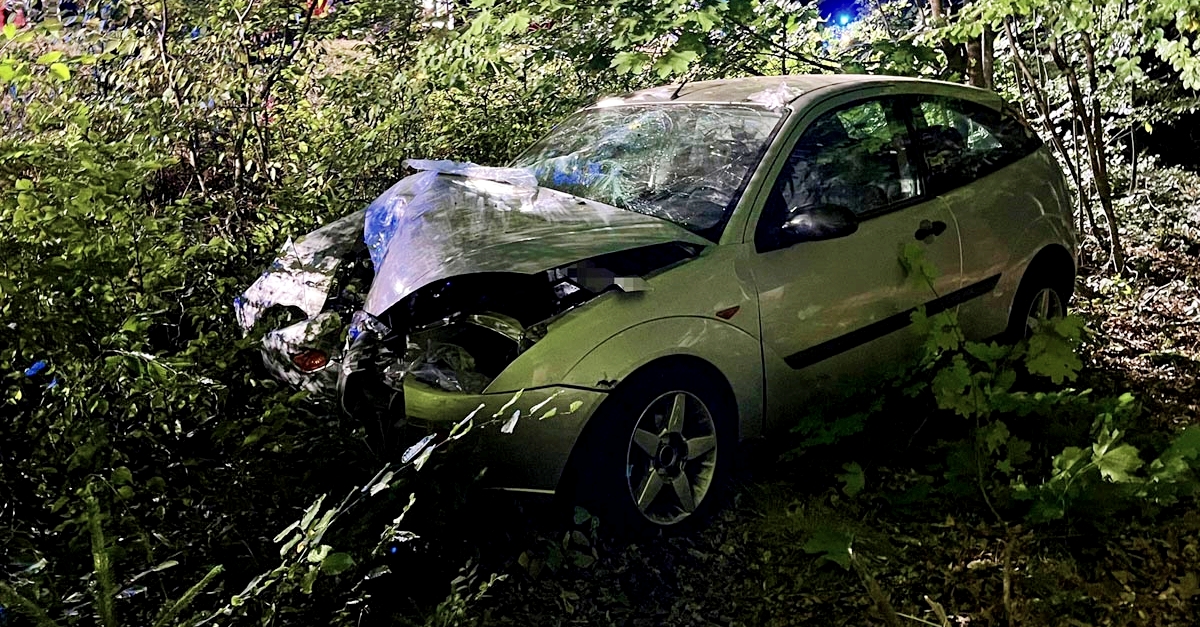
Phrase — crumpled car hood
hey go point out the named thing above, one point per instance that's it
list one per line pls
(454, 219)
(447, 220)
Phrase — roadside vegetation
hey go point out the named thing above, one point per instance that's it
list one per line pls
(154, 160)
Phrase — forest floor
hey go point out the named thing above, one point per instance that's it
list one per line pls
(925, 548)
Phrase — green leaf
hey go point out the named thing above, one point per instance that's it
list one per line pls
(50, 57)
(1186, 445)
(10, 30)
(987, 353)
(706, 18)
(916, 267)
(7, 73)
(23, 184)
(628, 62)
(952, 387)
(833, 545)
(674, 62)
(60, 71)
(854, 479)
(1067, 460)
(994, 436)
(581, 515)
(1052, 349)
(122, 475)
(1118, 463)
(335, 563)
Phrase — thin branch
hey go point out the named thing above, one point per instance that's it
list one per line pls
(187, 598)
(823, 64)
(105, 589)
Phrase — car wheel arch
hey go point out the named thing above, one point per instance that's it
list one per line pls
(1055, 260)
(1052, 266)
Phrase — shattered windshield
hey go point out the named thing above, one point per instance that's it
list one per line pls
(686, 163)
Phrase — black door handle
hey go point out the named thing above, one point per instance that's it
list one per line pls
(929, 229)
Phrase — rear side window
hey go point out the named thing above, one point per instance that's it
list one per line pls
(962, 141)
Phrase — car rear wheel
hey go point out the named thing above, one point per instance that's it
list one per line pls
(661, 453)
(1042, 296)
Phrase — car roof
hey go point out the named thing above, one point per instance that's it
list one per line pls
(772, 90)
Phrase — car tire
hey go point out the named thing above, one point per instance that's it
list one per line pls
(659, 452)
(1043, 294)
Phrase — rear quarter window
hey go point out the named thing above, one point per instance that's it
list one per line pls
(962, 141)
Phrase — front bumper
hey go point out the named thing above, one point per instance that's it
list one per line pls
(525, 454)
(524, 438)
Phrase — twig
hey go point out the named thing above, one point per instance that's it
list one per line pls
(105, 588)
(939, 611)
(15, 600)
(1009, 611)
(188, 597)
(919, 620)
(881, 601)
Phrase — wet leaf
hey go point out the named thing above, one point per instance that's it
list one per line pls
(512, 422)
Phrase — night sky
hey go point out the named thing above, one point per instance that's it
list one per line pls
(838, 11)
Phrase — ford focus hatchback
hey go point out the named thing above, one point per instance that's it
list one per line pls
(669, 274)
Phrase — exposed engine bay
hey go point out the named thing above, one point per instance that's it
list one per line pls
(461, 333)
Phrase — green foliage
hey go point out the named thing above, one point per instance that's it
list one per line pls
(853, 480)
(989, 385)
(832, 545)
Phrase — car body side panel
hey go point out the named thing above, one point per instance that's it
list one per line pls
(700, 288)
(823, 304)
(1006, 218)
(735, 353)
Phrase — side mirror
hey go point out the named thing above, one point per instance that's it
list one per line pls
(817, 222)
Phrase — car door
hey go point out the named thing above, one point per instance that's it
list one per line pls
(975, 159)
(834, 298)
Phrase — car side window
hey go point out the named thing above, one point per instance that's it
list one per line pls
(962, 141)
(856, 157)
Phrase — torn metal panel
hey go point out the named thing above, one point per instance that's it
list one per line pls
(321, 332)
(303, 273)
(385, 214)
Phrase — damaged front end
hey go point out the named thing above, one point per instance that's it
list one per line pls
(443, 282)
(302, 305)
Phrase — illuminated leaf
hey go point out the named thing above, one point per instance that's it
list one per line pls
(60, 71)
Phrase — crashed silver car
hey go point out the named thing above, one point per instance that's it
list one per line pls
(668, 274)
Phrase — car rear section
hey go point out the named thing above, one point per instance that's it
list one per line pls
(1007, 195)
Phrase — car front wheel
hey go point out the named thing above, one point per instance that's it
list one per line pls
(660, 457)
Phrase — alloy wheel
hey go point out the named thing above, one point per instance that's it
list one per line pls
(1046, 305)
(672, 457)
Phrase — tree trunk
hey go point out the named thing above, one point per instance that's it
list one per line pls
(981, 57)
(1093, 130)
(956, 54)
